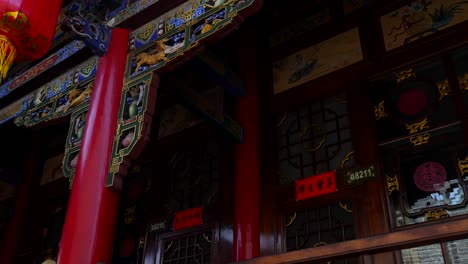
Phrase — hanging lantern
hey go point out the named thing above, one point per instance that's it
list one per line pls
(26, 30)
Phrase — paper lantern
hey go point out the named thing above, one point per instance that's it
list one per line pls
(26, 30)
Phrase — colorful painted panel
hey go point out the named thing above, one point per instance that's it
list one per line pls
(58, 29)
(12, 110)
(133, 124)
(313, 62)
(127, 10)
(113, 19)
(421, 18)
(168, 36)
(60, 96)
(73, 143)
(167, 49)
(54, 59)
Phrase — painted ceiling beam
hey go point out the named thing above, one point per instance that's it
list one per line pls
(70, 49)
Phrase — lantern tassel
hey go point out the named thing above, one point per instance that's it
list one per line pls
(7, 56)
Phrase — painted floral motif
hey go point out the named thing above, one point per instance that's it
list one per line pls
(419, 19)
(414, 18)
(320, 59)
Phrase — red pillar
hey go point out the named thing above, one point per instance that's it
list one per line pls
(247, 160)
(14, 232)
(89, 230)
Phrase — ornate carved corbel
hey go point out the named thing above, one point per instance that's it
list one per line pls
(81, 19)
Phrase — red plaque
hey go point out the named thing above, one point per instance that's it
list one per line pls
(188, 218)
(316, 185)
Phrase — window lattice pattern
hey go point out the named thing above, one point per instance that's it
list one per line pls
(315, 139)
(194, 174)
(431, 254)
(320, 226)
(194, 248)
(430, 179)
(456, 253)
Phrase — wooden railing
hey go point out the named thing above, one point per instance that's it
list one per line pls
(418, 236)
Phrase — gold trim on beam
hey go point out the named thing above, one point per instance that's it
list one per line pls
(403, 75)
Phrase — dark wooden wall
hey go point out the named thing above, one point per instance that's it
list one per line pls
(371, 201)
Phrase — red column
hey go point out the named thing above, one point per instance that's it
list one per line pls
(88, 233)
(14, 232)
(247, 160)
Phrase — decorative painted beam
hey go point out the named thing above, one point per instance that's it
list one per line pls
(170, 36)
(12, 110)
(133, 126)
(153, 46)
(127, 10)
(85, 27)
(73, 143)
(113, 19)
(54, 59)
(59, 97)
(133, 129)
(164, 29)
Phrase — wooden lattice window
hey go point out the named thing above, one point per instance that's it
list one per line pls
(314, 139)
(193, 176)
(453, 252)
(426, 183)
(191, 179)
(319, 226)
(189, 248)
(422, 142)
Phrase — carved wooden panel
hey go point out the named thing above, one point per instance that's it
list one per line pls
(314, 139)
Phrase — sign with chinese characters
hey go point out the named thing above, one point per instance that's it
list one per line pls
(188, 218)
(316, 185)
(357, 175)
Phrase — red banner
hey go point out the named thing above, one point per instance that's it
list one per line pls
(188, 218)
(316, 185)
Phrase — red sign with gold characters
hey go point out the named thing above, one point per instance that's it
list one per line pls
(316, 185)
(188, 218)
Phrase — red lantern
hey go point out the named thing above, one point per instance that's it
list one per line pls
(26, 30)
